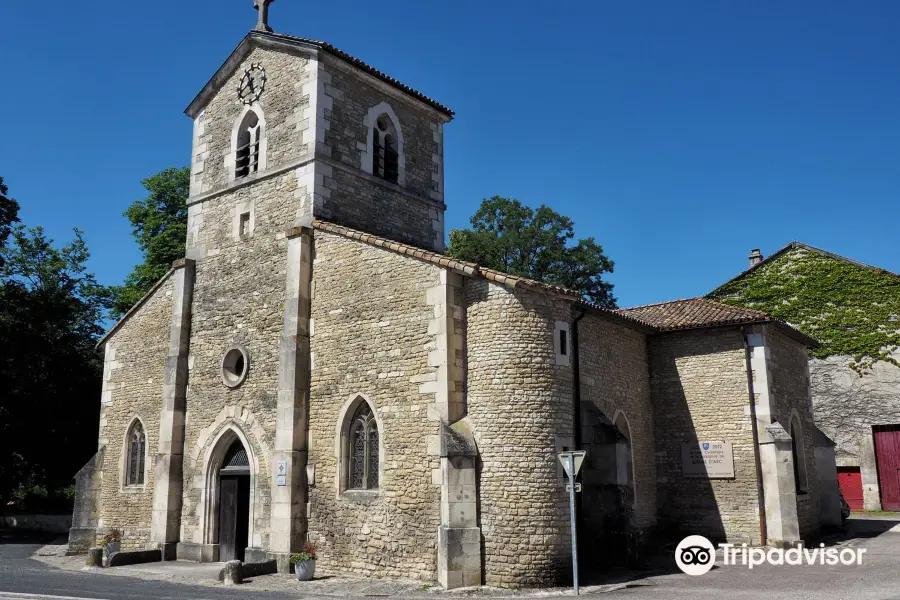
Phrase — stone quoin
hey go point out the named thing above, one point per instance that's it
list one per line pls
(316, 369)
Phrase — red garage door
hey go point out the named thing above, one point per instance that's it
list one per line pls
(850, 481)
(887, 453)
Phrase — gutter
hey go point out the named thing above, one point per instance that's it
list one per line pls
(760, 491)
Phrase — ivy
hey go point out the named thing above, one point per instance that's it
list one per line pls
(850, 309)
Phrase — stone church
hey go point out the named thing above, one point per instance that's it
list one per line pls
(316, 369)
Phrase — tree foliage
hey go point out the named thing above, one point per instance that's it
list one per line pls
(537, 243)
(159, 224)
(9, 215)
(850, 309)
(51, 310)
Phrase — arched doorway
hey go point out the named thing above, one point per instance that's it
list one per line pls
(233, 518)
(625, 465)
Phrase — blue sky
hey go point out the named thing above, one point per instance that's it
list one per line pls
(679, 134)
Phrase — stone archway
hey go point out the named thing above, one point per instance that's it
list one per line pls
(625, 463)
(230, 491)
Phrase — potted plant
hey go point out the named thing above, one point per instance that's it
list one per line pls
(111, 542)
(305, 562)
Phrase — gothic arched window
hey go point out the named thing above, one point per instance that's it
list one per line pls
(136, 449)
(249, 145)
(385, 156)
(362, 443)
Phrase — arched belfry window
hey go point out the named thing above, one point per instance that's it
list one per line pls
(361, 450)
(136, 451)
(385, 156)
(248, 152)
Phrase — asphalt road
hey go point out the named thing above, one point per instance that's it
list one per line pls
(21, 577)
(877, 578)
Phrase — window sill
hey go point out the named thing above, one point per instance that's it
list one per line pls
(361, 496)
(134, 489)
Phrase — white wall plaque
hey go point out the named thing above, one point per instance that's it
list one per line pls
(281, 472)
(713, 460)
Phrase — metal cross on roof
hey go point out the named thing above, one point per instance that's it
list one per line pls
(263, 7)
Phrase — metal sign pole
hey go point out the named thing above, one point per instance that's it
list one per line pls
(571, 469)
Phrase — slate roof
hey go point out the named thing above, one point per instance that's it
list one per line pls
(256, 38)
(365, 67)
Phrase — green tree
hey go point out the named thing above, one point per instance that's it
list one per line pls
(159, 224)
(51, 310)
(9, 215)
(537, 243)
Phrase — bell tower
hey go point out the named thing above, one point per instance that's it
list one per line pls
(334, 137)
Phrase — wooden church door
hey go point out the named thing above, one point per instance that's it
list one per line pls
(234, 504)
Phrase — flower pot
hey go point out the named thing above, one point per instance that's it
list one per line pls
(305, 570)
(108, 550)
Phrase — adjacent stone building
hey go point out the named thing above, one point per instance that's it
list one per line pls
(854, 310)
(315, 369)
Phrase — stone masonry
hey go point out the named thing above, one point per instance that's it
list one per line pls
(133, 373)
(520, 403)
(699, 389)
(327, 281)
(370, 339)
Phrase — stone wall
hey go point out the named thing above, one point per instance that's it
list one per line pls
(699, 392)
(285, 104)
(371, 339)
(410, 212)
(615, 380)
(365, 202)
(521, 407)
(238, 300)
(135, 358)
(847, 404)
(787, 365)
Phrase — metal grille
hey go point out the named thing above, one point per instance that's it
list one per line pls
(363, 467)
(236, 461)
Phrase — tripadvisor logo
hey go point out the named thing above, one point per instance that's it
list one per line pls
(696, 555)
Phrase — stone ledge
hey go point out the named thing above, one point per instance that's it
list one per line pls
(200, 553)
(134, 557)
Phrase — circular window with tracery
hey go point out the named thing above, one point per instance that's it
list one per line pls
(235, 364)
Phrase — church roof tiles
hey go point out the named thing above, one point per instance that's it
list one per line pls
(694, 313)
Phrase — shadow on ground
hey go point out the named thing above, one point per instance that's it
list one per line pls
(28, 536)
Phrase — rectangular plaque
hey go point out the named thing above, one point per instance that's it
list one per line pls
(281, 472)
(713, 460)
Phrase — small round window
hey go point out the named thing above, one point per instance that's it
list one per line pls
(234, 366)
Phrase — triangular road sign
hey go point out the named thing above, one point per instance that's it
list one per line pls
(571, 461)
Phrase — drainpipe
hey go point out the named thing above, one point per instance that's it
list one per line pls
(576, 382)
(576, 414)
(760, 491)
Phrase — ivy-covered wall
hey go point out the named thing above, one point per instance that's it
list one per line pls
(852, 310)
